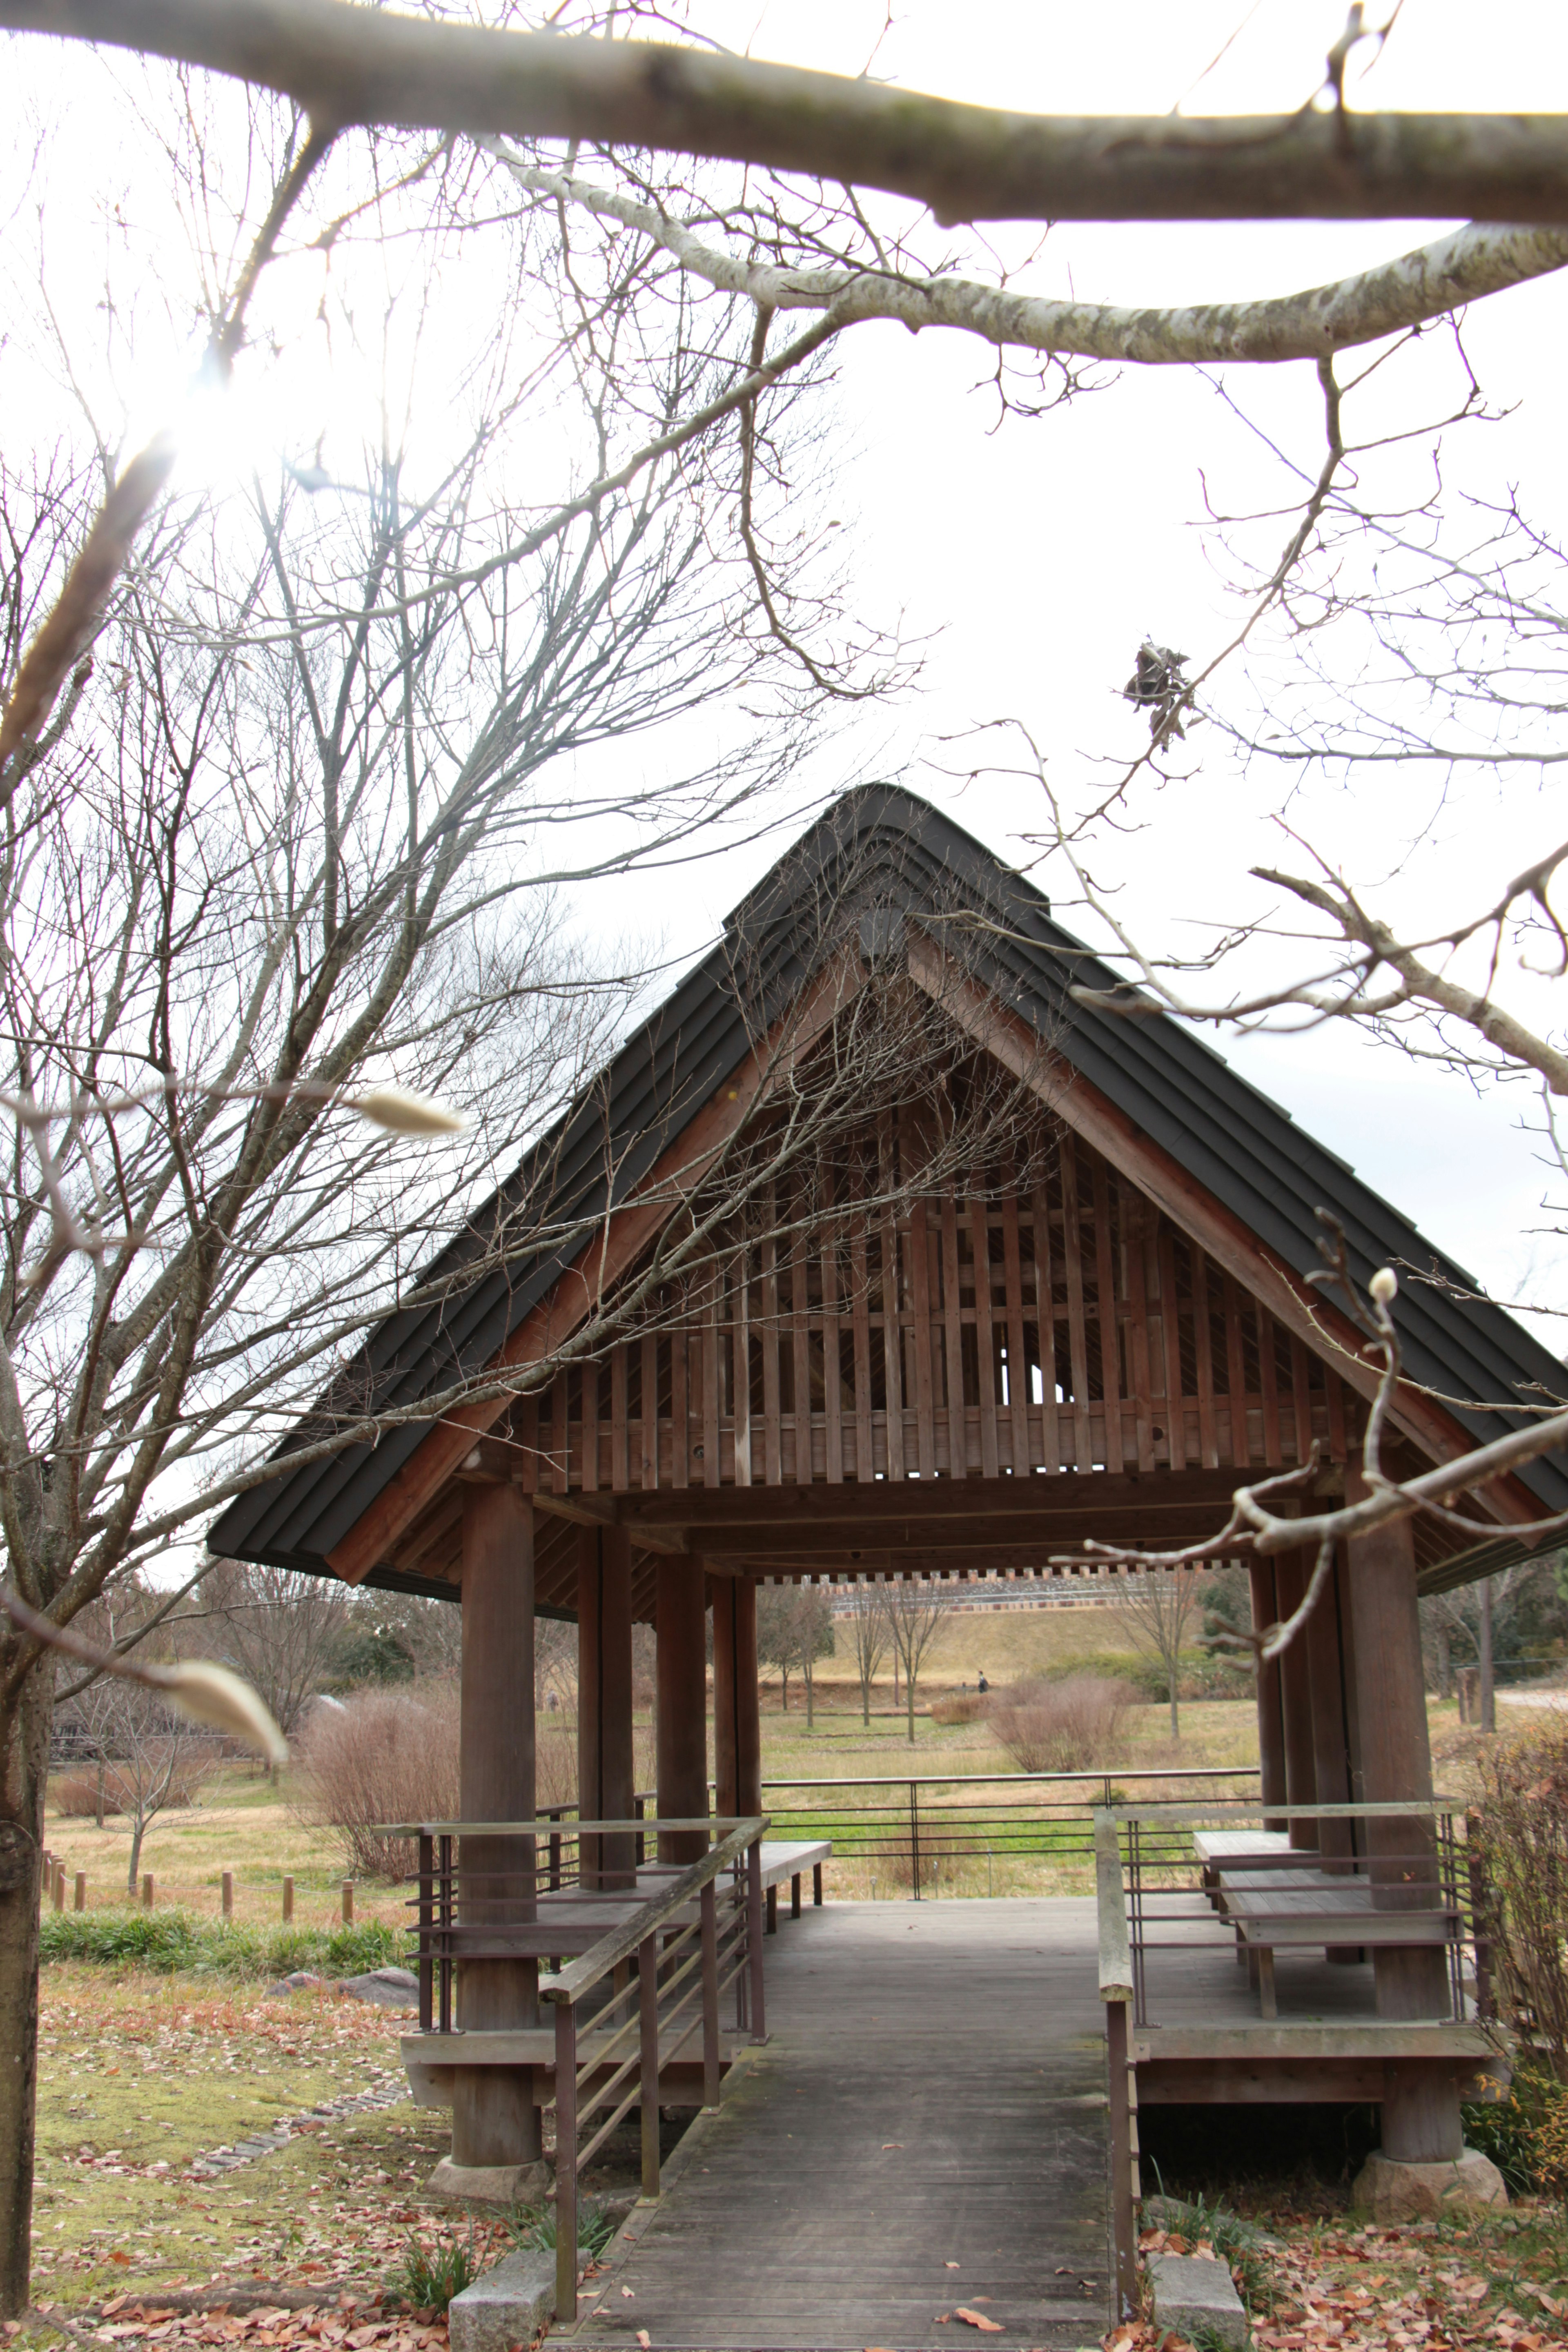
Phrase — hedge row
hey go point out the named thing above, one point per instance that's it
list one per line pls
(170, 1940)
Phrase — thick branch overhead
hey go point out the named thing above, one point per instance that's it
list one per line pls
(350, 64)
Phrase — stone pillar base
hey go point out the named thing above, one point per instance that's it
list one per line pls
(489, 2184)
(1393, 2191)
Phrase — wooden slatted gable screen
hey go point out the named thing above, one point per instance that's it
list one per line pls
(1008, 1330)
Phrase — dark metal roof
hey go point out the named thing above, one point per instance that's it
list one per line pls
(880, 848)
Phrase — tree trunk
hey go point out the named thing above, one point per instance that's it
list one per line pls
(1175, 1719)
(909, 1702)
(783, 1690)
(810, 1717)
(137, 1834)
(866, 1702)
(1489, 1684)
(21, 1845)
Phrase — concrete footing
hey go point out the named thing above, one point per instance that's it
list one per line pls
(1394, 2191)
(1193, 2292)
(505, 2306)
(489, 2184)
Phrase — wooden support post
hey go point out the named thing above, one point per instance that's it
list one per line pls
(755, 1938)
(682, 1622)
(60, 1893)
(737, 1711)
(227, 1898)
(1330, 1743)
(495, 2122)
(81, 1890)
(794, 1896)
(1421, 2121)
(605, 1769)
(1123, 2202)
(816, 1884)
(348, 1902)
(1296, 1701)
(288, 1900)
(1271, 1719)
(647, 2027)
(773, 1898)
(149, 1892)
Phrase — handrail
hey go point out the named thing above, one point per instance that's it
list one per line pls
(545, 1828)
(618, 1943)
(989, 1779)
(1235, 1807)
(1115, 1950)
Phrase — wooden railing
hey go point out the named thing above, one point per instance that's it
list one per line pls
(675, 1941)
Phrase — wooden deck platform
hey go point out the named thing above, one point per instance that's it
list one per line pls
(932, 2093)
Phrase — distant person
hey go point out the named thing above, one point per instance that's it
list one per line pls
(982, 1685)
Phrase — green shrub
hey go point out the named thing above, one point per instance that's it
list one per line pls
(535, 2230)
(170, 1940)
(1523, 2133)
(431, 2275)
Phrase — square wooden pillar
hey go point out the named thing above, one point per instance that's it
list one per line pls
(680, 1616)
(1270, 1714)
(495, 2118)
(737, 1710)
(1421, 2122)
(1296, 1701)
(606, 1770)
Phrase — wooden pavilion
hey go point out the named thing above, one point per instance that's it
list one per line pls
(1096, 1333)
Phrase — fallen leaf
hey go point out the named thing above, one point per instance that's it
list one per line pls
(978, 2319)
(627, 2293)
(643, 2339)
(950, 2266)
(892, 2142)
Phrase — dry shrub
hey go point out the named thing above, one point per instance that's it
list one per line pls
(1523, 1832)
(1066, 1726)
(76, 1794)
(958, 1706)
(385, 1755)
(555, 1764)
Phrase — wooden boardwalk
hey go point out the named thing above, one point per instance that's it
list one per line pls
(925, 2128)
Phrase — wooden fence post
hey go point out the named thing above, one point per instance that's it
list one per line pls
(149, 1892)
(81, 1890)
(228, 1894)
(59, 1887)
(288, 1900)
(348, 1902)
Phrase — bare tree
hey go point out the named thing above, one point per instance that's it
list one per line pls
(149, 1759)
(859, 1606)
(1156, 1612)
(914, 1609)
(280, 1631)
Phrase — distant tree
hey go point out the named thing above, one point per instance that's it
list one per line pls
(914, 1609)
(861, 1606)
(1157, 1611)
(279, 1629)
(811, 1621)
(151, 1760)
(390, 1637)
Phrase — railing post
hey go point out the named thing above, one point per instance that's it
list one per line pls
(738, 1908)
(565, 2161)
(915, 1837)
(709, 1913)
(754, 1936)
(1123, 2214)
(647, 2009)
(1480, 1920)
(426, 1921)
(443, 1918)
(640, 1807)
(555, 1851)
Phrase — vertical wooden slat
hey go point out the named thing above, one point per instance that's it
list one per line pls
(1170, 1333)
(1134, 1220)
(1018, 1368)
(1202, 1350)
(650, 1472)
(1110, 1327)
(918, 1243)
(1077, 1336)
(1236, 1371)
(892, 1346)
(740, 1368)
(1045, 1310)
(832, 1397)
(860, 1326)
(712, 1463)
(1269, 1381)
(618, 1419)
(772, 1435)
(800, 1334)
(525, 1428)
(560, 1437)
(1336, 1401)
(1300, 1397)
(984, 1337)
(680, 1401)
(590, 1428)
(953, 1338)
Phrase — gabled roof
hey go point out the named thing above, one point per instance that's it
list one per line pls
(881, 848)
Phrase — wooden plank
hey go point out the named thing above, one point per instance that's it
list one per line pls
(952, 1339)
(712, 1457)
(984, 1335)
(1300, 1397)
(680, 1406)
(1136, 1217)
(892, 1332)
(1077, 1335)
(1269, 1377)
(800, 1339)
(772, 1434)
(1109, 1326)
(1171, 1335)
(590, 1474)
(832, 1392)
(559, 1436)
(860, 1326)
(917, 1240)
(1203, 1352)
(619, 1476)
(1235, 1375)
(1050, 1426)
(1017, 1356)
(648, 1367)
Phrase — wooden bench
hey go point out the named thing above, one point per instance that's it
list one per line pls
(1293, 1907)
(782, 1861)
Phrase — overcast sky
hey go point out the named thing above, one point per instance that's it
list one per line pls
(1031, 560)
